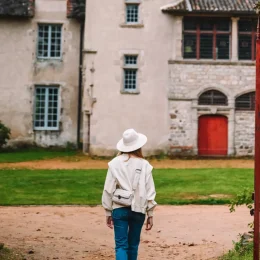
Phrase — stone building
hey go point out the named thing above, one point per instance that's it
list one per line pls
(183, 72)
(39, 78)
(180, 71)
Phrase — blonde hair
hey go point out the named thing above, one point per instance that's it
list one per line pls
(137, 153)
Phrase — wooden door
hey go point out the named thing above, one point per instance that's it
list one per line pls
(213, 135)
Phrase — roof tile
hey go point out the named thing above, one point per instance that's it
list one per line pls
(218, 6)
(17, 8)
(76, 9)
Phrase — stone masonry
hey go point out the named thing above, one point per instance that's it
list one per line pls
(188, 80)
(244, 133)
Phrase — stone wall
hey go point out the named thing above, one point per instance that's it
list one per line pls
(180, 138)
(189, 79)
(244, 133)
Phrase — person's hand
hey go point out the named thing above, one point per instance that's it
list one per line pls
(149, 223)
(109, 222)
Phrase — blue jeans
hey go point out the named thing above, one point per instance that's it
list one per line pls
(127, 226)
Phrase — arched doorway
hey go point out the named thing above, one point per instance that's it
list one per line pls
(213, 135)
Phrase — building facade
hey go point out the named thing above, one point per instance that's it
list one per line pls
(182, 72)
(39, 79)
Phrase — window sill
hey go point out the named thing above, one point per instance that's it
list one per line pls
(246, 110)
(133, 2)
(132, 25)
(49, 61)
(130, 92)
(46, 130)
(48, 58)
(212, 62)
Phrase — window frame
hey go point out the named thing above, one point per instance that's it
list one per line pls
(49, 57)
(251, 102)
(198, 32)
(213, 92)
(130, 67)
(46, 113)
(253, 40)
(132, 3)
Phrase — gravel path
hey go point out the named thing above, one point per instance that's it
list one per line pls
(82, 162)
(180, 232)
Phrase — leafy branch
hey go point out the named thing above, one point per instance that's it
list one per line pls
(242, 198)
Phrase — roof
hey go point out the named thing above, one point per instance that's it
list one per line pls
(17, 8)
(213, 6)
(76, 9)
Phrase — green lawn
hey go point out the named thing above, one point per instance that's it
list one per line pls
(33, 154)
(84, 187)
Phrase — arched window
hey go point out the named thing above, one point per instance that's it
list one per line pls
(246, 101)
(213, 97)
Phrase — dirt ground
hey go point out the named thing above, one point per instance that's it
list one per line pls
(87, 163)
(180, 232)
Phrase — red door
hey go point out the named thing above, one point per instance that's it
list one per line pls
(213, 135)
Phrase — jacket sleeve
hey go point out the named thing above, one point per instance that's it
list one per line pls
(109, 189)
(151, 193)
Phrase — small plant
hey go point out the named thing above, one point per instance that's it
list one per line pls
(5, 134)
(244, 245)
(243, 249)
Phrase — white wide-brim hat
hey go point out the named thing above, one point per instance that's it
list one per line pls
(131, 141)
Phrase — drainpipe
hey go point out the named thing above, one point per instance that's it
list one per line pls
(90, 100)
(82, 28)
(88, 140)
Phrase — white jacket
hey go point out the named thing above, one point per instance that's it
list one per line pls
(121, 174)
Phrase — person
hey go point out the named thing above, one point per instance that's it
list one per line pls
(127, 220)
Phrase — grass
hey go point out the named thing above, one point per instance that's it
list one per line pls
(234, 256)
(7, 254)
(246, 254)
(84, 187)
(33, 154)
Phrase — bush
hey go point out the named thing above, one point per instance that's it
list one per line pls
(5, 133)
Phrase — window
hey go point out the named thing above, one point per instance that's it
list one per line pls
(246, 102)
(247, 39)
(206, 39)
(49, 41)
(132, 12)
(46, 114)
(213, 97)
(130, 72)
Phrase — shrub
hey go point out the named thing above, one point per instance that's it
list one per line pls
(5, 133)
